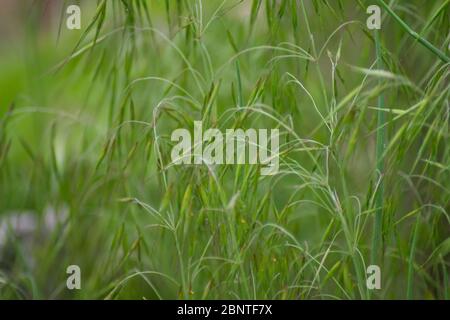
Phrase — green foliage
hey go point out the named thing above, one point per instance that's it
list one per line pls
(364, 173)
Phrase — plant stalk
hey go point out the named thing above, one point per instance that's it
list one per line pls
(380, 146)
(414, 34)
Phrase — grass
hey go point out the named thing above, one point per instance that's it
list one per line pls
(85, 124)
(380, 147)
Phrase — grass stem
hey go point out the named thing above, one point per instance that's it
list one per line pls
(414, 34)
(380, 146)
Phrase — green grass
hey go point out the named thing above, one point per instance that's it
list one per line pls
(85, 124)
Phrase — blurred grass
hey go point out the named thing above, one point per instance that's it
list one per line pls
(86, 118)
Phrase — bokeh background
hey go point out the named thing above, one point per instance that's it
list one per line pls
(85, 174)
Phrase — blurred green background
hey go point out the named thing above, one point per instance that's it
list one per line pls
(85, 175)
